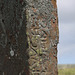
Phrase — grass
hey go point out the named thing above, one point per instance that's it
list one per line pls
(66, 71)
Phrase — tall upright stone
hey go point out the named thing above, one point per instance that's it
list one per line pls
(42, 34)
(28, 37)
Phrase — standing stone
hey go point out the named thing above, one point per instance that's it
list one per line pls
(28, 37)
(42, 34)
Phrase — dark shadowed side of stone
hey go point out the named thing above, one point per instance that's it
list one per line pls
(13, 38)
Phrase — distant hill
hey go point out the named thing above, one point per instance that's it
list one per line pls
(63, 66)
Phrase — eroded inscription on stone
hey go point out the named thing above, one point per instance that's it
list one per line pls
(42, 33)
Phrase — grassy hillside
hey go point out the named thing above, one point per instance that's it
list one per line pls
(70, 71)
(66, 69)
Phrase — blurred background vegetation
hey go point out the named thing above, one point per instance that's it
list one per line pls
(68, 69)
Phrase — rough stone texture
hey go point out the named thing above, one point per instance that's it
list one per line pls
(13, 38)
(42, 33)
(28, 37)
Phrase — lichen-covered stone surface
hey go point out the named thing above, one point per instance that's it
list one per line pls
(28, 37)
(42, 34)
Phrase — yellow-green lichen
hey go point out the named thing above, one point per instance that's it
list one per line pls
(38, 51)
(30, 53)
(28, 41)
(40, 59)
(41, 51)
(27, 33)
(38, 63)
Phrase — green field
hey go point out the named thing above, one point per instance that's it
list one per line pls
(70, 71)
(66, 69)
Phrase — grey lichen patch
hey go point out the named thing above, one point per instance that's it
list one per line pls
(12, 53)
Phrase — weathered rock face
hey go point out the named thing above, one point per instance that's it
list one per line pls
(13, 38)
(28, 37)
(42, 33)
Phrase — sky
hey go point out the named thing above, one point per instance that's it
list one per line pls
(66, 18)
